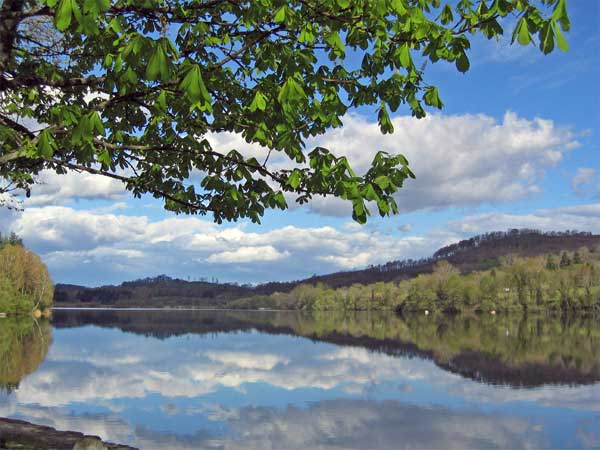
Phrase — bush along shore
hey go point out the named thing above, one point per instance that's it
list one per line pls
(25, 284)
(568, 281)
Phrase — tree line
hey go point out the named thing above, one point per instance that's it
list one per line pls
(25, 284)
(567, 281)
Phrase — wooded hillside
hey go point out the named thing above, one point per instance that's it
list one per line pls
(478, 253)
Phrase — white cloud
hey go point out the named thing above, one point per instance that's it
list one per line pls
(248, 254)
(60, 228)
(459, 160)
(406, 227)
(582, 180)
(96, 247)
(581, 217)
(53, 189)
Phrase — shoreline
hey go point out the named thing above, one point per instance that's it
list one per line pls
(189, 308)
(408, 313)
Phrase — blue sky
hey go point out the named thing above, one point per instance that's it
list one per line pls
(516, 145)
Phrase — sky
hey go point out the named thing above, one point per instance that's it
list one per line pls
(516, 145)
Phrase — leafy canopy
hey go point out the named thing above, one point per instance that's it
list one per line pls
(132, 89)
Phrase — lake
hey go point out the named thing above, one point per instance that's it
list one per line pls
(290, 380)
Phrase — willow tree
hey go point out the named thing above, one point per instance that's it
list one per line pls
(131, 90)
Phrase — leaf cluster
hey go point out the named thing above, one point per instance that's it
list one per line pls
(134, 90)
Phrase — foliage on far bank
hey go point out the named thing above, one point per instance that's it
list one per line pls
(567, 281)
(25, 284)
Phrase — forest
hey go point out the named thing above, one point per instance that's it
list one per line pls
(25, 284)
(567, 281)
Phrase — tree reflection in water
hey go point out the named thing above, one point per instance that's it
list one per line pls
(24, 343)
(515, 350)
(187, 380)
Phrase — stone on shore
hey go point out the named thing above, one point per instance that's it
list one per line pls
(28, 436)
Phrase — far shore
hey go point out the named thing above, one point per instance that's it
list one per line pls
(502, 312)
(166, 308)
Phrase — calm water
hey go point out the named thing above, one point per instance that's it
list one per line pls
(262, 380)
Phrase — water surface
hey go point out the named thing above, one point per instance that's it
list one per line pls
(266, 380)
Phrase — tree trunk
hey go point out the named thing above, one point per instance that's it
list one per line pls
(9, 21)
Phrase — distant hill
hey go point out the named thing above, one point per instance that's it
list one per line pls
(477, 253)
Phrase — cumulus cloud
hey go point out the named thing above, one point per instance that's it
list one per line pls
(328, 424)
(248, 254)
(580, 217)
(52, 189)
(406, 227)
(583, 179)
(97, 247)
(86, 246)
(459, 160)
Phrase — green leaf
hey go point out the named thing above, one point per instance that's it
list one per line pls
(64, 12)
(446, 15)
(46, 144)
(194, 87)
(104, 158)
(343, 3)
(294, 179)
(404, 56)
(336, 44)
(83, 131)
(522, 33)
(259, 102)
(161, 101)
(560, 38)
(306, 36)
(95, 7)
(547, 38)
(280, 201)
(291, 91)
(359, 212)
(158, 66)
(560, 14)
(399, 7)
(97, 128)
(383, 206)
(385, 123)
(382, 181)
(432, 97)
(462, 63)
(280, 14)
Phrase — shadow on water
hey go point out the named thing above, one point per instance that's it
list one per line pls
(24, 343)
(515, 350)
